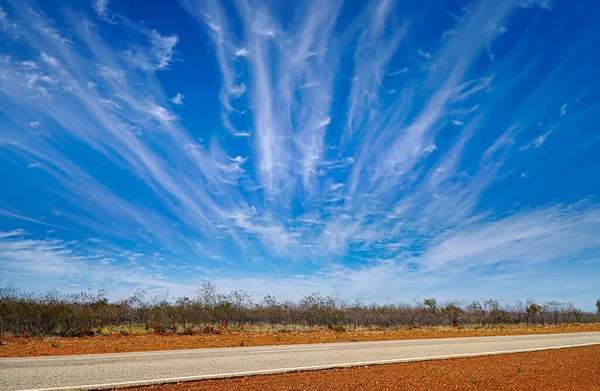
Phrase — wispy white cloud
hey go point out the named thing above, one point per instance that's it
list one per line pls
(53, 260)
(530, 237)
(29, 65)
(177, 99)
(424, 54)
(540, 139)
(99, 126)
(563, 109)
(211, 15)
(335, 149)
(544, 4)
(49, 60)
(14, 232)
(3, 17)
(399, 71)
(307, 68)
(395, 144)
(101, 7)
(157, 55)
(159, 113)
(375, 48)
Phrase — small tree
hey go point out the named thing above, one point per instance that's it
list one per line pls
(476, 313)
(431, 303)
(430, 311)
(577, 315)
(532, 310)
(598, 306)
(492, 307)
(453, 312)
(208, 297)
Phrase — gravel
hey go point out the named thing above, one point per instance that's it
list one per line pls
(563, 369)
(14, 346)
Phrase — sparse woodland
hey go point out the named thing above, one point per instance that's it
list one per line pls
(54, 313)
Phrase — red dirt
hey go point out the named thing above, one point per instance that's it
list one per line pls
(19, 346)
(563, 369)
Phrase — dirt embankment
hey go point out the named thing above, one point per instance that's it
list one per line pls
(14, 346)
(563, 369)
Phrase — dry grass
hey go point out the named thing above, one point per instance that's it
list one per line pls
(15, 346)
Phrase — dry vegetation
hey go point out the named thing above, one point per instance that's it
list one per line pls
(89, 313)
(563, 369)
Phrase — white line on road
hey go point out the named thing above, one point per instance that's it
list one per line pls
(289, 350)
(295, 369)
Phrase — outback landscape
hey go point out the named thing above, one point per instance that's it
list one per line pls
(299, 195)
(52, 323)
(56, 324)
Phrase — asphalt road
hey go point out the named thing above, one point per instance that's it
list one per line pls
(99, 371)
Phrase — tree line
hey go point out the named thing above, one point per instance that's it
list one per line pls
(55, 313)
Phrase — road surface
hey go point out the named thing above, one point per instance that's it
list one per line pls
(98, 371)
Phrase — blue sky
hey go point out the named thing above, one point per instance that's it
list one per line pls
(381, 149)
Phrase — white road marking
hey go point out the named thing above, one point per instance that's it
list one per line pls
(295, 369)
(288, 350)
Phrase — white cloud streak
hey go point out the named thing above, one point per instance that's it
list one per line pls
(101, 7)
(177, 99)
(396, 180)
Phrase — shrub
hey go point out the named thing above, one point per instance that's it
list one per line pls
(53, 313)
